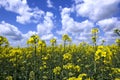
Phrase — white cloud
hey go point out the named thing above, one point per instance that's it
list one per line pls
(97, 9)
(25, 13)
(15, 6)
(15, 37)
(78, 1)
(44, 30)
(10, 31)
(29, 33)
(80, 30)
(69, 25)
(47, 25)
(23, 18)
(33, 15)
(47, 37)
(109, 38)
(109, 24)
(49, 4)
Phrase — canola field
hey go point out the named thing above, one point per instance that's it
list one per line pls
(66, 61)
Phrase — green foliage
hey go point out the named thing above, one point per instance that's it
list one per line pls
(3, 41)
(118, 42)
(117, 31)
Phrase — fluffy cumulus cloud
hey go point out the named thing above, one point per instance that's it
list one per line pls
(47, 25)
(69, 25)
(97, 9)
(101, 13)
(96, 12)
(49, 4)
(45, 28)
(108, 26)
(34, 15)
(25, 13)
(14, 35)
(80, 30)
(47, 37)
(12, 31)
(44, 21)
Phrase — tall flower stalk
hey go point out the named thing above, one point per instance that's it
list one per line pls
(65, 38)
(34, 39)
(94, 39)
(53, 43)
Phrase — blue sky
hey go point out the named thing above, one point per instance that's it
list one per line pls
(19, 19)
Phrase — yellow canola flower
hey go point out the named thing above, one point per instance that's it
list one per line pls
(78, 79)
(77, 68)
(68, 66)
(57, 70)
(94, 30)
(97, 54)
(15, 52)
(103, 54)
(116, 70)
(13, 60)
(109, 53)
(67, 56)
(117, 78)
(72, 78)
(31, 40)
(100, 53)
(100, 47)
(9, 78)
(117, 41)
(44, 57)
(81, 75)
(97, 57)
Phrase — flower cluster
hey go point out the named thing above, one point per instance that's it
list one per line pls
(67, 56)
(71, 66)
(57, 70)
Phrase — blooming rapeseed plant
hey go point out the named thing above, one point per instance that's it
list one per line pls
(100, 53)
(67, 56)
(57, 70)
(72, 78)
(77, 68)
(68, 66)
(9, 78)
